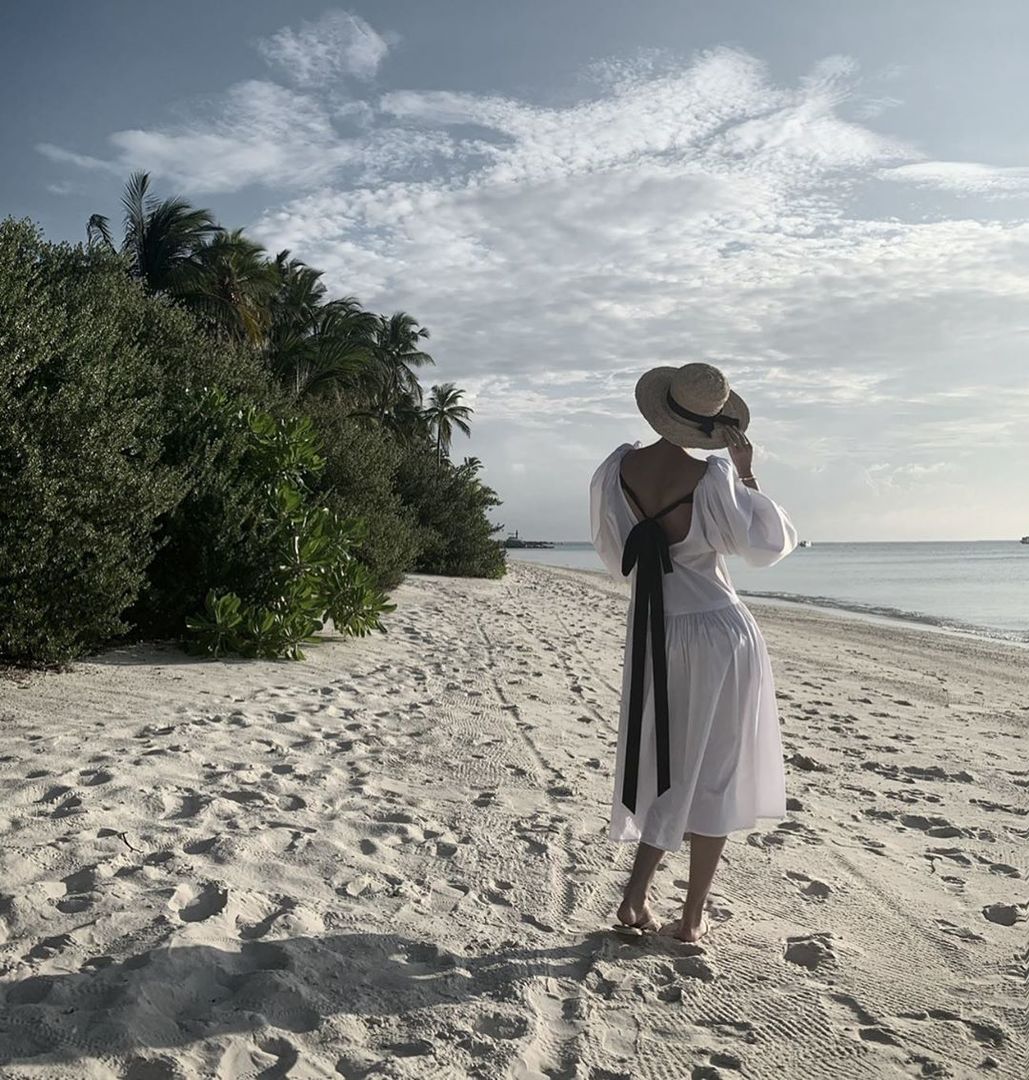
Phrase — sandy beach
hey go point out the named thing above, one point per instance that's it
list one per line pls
(391, 859)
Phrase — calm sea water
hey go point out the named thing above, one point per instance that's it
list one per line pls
(980, 587)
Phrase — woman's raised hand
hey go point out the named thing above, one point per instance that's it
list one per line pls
(741, 450)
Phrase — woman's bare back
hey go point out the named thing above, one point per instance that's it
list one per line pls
(660, 474)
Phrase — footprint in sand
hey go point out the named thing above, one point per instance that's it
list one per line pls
(1019, 811)
(95, 777)
(72, 905)
(987, 1034)
(499, 1026)
(952, 853)
(913, 795)
(445, 896)
(811, 888)
(1003, 869)
(686, 967)
(189, 806)
(962, 932)
(937, 827)
(811, 951)
(87, 879)
(766, 840)
(151, 1068)
(252, 932)
(196, 905)
(800, 830)
(50, 947)
(1006, 914)
(806, 764)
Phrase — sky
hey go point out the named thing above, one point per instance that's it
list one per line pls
(829, 202)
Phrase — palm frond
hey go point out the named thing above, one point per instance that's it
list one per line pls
(98, 232)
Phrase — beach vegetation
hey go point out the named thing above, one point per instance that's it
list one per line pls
(309, 572)
(445, 412)
(198, 442)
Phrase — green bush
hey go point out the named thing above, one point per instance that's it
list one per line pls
(359, 481)
(81, 427)
(309, 571)
(454, 534)
(150, 472)
(207, 540)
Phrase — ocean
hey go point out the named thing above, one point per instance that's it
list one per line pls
(978, 587)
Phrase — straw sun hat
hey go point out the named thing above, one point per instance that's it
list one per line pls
(690, 405)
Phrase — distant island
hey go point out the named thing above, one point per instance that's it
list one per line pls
(514, 541)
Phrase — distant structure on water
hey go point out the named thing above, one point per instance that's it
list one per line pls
(804, 543)
(514, 541)
(1024, 540)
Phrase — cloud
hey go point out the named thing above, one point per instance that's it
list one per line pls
(704, 212)
(67, 157)
(262, 133)
(64, 187)
(964, 178)
(338, 45)
(677, 210)
(886, 477)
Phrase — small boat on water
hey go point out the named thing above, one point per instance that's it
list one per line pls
(804, 543)
(1024, 540)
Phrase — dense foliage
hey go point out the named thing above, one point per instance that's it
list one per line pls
(310, 571)
(81, 424)
(359, 480)
(195, 440)
(450, 504)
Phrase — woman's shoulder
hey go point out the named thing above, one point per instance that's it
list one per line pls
(616, 455)
(718, 481)
(719, 466)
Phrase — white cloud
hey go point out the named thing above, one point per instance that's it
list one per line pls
(63, 187)
(67, 157)
(677, 211)
(259, 132)
(701, 213)
(339, 44)
(964, 177)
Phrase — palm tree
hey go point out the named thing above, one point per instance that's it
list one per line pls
(443, 413)
(98, 232)
(159, 237)
(313, 343)
(229, 284)
(396, 352)
(399, 411)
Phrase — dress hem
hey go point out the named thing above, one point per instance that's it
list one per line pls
(735, 828)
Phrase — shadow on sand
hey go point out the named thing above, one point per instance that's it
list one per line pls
(173, 996)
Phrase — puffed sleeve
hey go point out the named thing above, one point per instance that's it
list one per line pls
(605, 530)
(737, 520)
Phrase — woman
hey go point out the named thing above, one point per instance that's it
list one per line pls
(699, 752)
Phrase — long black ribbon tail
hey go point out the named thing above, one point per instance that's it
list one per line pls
(647, 548)
(659, 659)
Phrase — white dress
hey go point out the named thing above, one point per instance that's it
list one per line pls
(724, 751)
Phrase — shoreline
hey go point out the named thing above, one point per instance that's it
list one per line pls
(893, 617)
(401, 842)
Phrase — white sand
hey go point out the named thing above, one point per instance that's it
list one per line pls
(391, 860)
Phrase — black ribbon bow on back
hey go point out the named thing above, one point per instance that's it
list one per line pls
(646, 548)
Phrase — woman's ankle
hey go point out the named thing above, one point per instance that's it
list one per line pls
(692, 915)
(636, 895)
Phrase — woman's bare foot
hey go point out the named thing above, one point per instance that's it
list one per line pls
(683, 931)
(636, 913)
